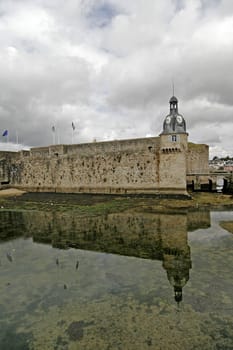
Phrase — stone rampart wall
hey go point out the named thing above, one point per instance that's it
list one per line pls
(109, 167)
(5, 162)
(197, 158)
(149, 165)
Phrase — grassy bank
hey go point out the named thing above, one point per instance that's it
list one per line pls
(88, 204)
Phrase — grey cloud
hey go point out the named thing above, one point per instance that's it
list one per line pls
(108, 67)
(101, 14)
(34, 91)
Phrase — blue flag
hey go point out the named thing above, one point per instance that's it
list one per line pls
(5, 133)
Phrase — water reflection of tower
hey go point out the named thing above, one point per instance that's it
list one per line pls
(176, 252)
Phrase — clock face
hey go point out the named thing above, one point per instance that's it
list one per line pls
(168, 120)
(179, 119)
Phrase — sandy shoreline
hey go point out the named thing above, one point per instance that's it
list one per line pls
(11, 192)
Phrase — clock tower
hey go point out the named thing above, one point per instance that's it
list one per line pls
(173, 151)
(174, 122)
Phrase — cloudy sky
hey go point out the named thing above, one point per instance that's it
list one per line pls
(108, 65)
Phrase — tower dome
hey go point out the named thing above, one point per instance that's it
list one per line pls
(174, 122)
(173, 99)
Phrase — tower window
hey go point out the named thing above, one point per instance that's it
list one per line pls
(174, 139)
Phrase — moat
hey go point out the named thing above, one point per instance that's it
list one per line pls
(115, 280)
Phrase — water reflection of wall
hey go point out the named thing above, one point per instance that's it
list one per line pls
(12, 224)
(197, 220)
(153, 236)
(137, 235)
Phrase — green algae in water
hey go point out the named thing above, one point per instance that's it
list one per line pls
(115, 301)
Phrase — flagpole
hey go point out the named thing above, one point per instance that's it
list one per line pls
(17, 138)
(73, 128)
(58, 137)
(53, 133)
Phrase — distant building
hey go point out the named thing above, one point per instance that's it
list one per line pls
(228, 167)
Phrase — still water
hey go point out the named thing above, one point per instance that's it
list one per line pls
(119, 281)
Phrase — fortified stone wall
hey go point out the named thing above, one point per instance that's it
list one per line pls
(109, 167)
(149, 165)
(197, 159)
(5, 162)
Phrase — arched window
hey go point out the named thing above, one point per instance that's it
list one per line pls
(174, 139)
